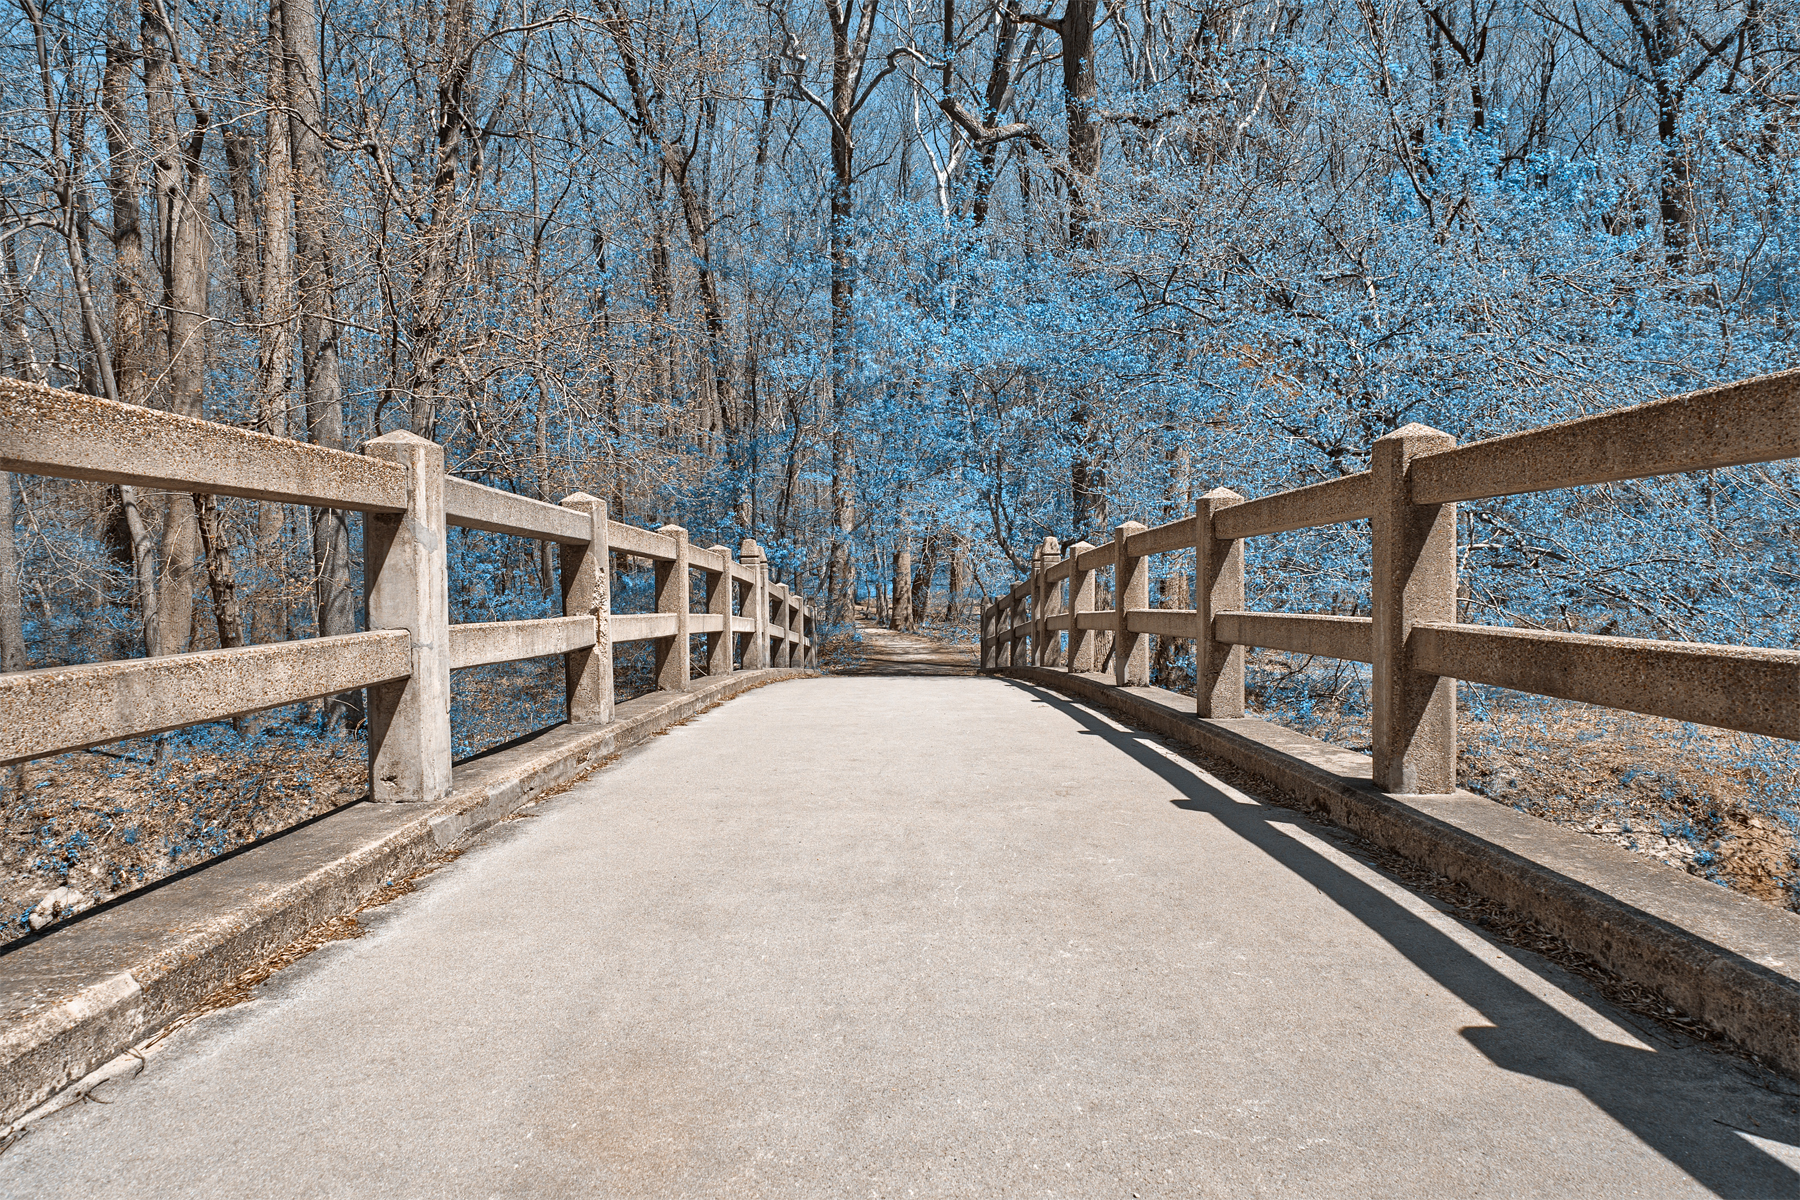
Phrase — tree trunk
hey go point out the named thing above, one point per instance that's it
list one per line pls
(275, 352)
(1076, 29)
(12, 610)
(953, 603)
(850, 34)
(220, 575)
(333, 602)
(922, 577)
(903, 608)
(132, 348)
(182, 189)
(25, 362)
(438, 244)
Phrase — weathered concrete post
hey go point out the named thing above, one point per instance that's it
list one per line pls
(756, 605)
(1003, 630)
(1131, 589)
(1027, 614)
(1049, 604)
(1218, 587)
(406, 586)
(719, 591)
(1414, 581)
(1034, 584)
(987, 650)
(586, 576)
(781, 592)
(1080, 659)
(672, 666)
(1015, 629)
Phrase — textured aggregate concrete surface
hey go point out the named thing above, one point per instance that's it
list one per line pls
(867, 936)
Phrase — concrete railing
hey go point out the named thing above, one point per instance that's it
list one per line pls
(1414, 643)
(405, 658)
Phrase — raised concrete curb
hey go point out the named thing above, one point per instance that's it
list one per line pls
(83, 993)
(1728, 960)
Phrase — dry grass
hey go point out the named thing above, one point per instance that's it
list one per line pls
(111, 820)
(108, 821)
(1720, 805)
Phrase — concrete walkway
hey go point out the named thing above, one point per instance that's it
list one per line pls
(917, 937)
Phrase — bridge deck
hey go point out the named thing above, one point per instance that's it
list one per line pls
(934, 936)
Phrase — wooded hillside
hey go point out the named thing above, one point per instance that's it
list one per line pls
(852, 280)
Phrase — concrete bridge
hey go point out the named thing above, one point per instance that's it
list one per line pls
(917, 930)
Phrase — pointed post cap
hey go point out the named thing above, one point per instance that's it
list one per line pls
(400, 437)
(1414, 430)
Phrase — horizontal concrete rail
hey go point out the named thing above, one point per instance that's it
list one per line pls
(1102, 555)
(707, 623)
(477, 644)
(1757, 420)
(640, 543)
(639, 627)
(1298, 633)
(1415, 478)
(1732, 687)
(473, 505)
(67, 708)
(45, 431)
(1330, 503)
(707, 560)
(1164, 622)
(1176, 535)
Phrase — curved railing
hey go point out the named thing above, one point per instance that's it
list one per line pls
(405, 658)
(1413, 642)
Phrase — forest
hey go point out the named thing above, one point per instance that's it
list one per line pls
(897, 282)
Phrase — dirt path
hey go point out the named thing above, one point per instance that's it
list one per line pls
(886, 652)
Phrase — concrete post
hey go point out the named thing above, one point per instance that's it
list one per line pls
(1080, 658)
(586, 576)
(1022, 644)
(406, 586)
(719, 589)
(1414, 581)
(1218, 587)
(672, 666)
(1003, 631)
(1131, 589)
(781, 592)
(756, 605)
(1035, 582)
(1014, 611)
(1049, 604)
(987, 661)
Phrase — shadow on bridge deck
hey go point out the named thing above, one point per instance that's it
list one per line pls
(1525, 1035)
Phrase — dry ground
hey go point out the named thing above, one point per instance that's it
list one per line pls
(116, 818)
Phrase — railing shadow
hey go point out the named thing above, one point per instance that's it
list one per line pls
(1637, 1088)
